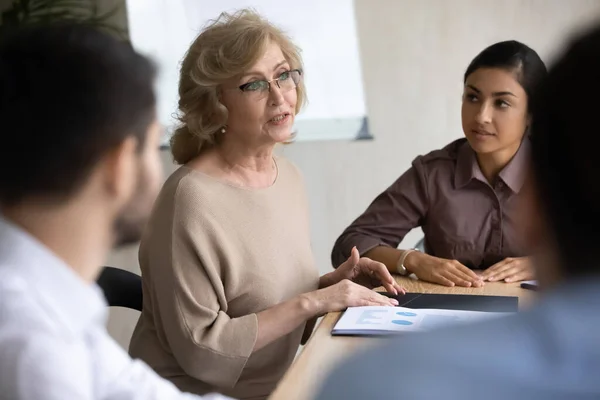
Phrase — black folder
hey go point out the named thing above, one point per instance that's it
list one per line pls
(465, 302)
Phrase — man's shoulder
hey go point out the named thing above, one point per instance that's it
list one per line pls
(34, 358)
(22, 309)
(26, 318)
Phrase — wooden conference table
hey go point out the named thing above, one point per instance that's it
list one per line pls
(323, 351)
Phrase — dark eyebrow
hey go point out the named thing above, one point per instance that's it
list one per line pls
(257, 73)
(495, 94)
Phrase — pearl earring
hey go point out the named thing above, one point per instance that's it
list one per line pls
(223, 130)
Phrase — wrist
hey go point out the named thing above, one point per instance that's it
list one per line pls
(411, 261)
(308, 305)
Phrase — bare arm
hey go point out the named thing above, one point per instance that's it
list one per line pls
(426, 267)
(325, 281)
(283, 318)
(385, 255)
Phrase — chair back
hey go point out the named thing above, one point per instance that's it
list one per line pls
(121, 288)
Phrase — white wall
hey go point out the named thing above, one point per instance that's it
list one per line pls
(414, 53)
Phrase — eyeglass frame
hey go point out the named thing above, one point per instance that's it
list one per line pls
(276, 80)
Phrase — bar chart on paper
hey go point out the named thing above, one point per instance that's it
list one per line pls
(366, 321)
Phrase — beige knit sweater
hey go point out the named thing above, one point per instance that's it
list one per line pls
(213, 255)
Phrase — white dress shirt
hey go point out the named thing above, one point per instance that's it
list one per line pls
(53, 340)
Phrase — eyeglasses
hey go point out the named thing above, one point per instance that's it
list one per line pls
(260, 89)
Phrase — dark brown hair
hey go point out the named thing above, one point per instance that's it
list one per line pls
(68, 94)
(513, 56)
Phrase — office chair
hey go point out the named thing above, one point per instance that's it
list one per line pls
(121, 288)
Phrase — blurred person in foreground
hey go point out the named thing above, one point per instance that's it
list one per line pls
(79, 171)
(552, 350)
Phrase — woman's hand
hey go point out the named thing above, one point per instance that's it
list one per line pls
(283, 318)
(342, 295)
(367, 273)
(440, 270)
(510, 270)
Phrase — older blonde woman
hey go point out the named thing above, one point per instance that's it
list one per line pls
(228, 273)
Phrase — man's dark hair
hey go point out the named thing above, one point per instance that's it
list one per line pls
(68, 95)
(566, 153)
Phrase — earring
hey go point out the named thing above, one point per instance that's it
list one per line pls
(223, 130)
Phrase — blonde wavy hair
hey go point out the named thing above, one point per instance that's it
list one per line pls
(225, 49)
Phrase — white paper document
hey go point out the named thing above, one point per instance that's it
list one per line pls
(392, 320)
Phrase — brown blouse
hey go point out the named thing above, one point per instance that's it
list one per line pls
(462, 215)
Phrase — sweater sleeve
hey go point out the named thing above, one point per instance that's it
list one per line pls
(208, 344)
